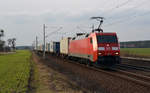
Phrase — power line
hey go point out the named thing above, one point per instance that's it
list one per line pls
(134, 7)
(118, 6)
(44, 27)
(77, 27)
(127, 17)
(123, 21)
(80, 29)
(54, 32)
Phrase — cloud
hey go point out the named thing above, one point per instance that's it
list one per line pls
(24, 19)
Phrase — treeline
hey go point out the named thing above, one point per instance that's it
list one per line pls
(4, 47)
(135, 44)
(24, 47)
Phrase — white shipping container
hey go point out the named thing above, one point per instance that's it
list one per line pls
(47, 47)
(51, 47)
(64, 46)
(40, 48)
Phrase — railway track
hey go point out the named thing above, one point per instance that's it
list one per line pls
(125, 75)
(129, 76)
(136, 78)
(96, 79)
(126, 66)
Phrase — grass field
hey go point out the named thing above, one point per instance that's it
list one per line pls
(136, 52)
(15, 72)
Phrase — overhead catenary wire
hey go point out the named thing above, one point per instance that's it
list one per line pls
(109, 11)
(123, 21)
(132, 8)
(117, 7)
(78, 27)
(127, 17)
(54, 32)
(134, 15)
(40, 40)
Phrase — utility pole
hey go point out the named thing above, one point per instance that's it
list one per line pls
(36, 45)
(44, 27)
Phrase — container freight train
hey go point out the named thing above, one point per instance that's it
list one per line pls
(96, 48)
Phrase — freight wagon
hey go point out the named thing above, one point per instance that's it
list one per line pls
(47, 47)
(54, 47)
(64, 46)
(51, 47)
(97, 47)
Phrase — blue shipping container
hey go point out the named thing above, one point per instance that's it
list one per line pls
(48, 47)
(56, 47)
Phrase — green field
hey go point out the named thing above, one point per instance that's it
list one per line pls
(136, 52)
(15, 72)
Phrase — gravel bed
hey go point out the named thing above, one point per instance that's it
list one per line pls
(136, 63)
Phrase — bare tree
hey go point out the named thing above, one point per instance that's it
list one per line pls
(9, 42)
(12, 43)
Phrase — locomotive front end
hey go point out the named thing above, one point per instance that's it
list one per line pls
(108, 49)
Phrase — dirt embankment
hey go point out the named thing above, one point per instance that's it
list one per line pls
(47, 80)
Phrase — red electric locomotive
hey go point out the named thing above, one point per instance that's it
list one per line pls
(98, 47)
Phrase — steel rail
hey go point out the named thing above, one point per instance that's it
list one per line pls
(135, 78)
(134, 67)
(131, 77)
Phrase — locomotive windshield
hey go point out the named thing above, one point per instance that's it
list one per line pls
(107, 39)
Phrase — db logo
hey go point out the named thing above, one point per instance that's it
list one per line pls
(107, 48)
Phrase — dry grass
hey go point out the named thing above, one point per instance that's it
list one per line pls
(48, 80)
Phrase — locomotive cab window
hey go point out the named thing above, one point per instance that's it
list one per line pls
(91, 41)
(107, 39)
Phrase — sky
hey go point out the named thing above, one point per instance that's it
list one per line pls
(24, 19)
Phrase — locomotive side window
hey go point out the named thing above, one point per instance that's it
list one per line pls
(107, 39)
(91, 41)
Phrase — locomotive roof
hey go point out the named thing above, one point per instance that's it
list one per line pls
(106, 33)
(86, 35)
(81, 36)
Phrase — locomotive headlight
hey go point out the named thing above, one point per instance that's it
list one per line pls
(116, 53)
(101, 48)
(99, 53)
(115, 48)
